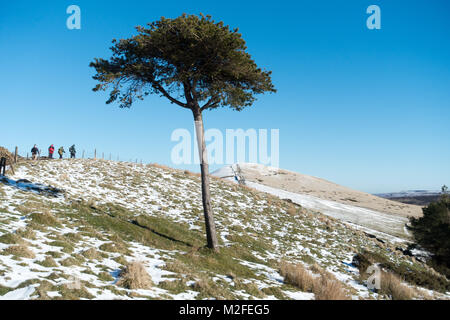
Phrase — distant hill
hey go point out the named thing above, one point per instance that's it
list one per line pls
(415, 197)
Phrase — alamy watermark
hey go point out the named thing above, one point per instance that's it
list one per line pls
(74, 20)
(374, 20)
(374, 280)
(235, 146)
(74, 283)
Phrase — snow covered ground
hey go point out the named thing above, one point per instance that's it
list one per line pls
(384, 225)
(68, 228)
(381, 224)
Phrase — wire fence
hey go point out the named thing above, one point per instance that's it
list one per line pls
(80, 154)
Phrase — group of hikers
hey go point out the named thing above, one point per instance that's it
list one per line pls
(35, 152)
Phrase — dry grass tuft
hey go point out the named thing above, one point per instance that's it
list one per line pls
(42, 290)
(297, 275)
(27, 232)
(91, 254)
(392, 286)
(193, 174)
(326, 288)
(423, 294)
(209, 288)
(292, 211)
(134, 276)
(160, 166)
(45, 218)
(20, 251)
(12, 238)
(317, 269)
(48, 262)
(114, 247)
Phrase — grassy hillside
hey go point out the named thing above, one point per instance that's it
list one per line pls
(109, 230)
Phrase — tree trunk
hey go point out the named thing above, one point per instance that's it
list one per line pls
(211, 235)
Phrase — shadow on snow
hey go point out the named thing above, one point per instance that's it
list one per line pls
(26, 185)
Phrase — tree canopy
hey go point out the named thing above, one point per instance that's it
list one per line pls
(191, 60)
(432, 231)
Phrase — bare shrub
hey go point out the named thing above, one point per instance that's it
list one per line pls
(134, 276)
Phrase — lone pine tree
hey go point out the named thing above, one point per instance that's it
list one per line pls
(195, 63)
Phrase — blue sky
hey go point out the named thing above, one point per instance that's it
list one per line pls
(368, 109)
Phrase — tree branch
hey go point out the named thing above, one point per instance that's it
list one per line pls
(212, 102)
(160, 88)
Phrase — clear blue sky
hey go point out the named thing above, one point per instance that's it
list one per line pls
(368, 109)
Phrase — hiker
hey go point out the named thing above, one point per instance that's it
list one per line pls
(61, 151)
(51, 149)
(34, 152)
(72, 152)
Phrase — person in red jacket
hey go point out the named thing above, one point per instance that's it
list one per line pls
(51, 149)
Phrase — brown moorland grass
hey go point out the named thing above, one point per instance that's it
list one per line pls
(20, 251)
(297, 275)
(134, 276)
(292, 211)
(324, 287)
(48, 262)
(45, 218)
(91, 254)
(160, 166)
(27, 232)
(392, 286)
(208, 288)
(11, 238)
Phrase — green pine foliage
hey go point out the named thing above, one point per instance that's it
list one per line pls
(190, 57)
(432, 232)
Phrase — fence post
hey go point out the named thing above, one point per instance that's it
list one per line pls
(95, 154)
(15, 154)
(103, 156)
(2, 166)
(83, 155)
